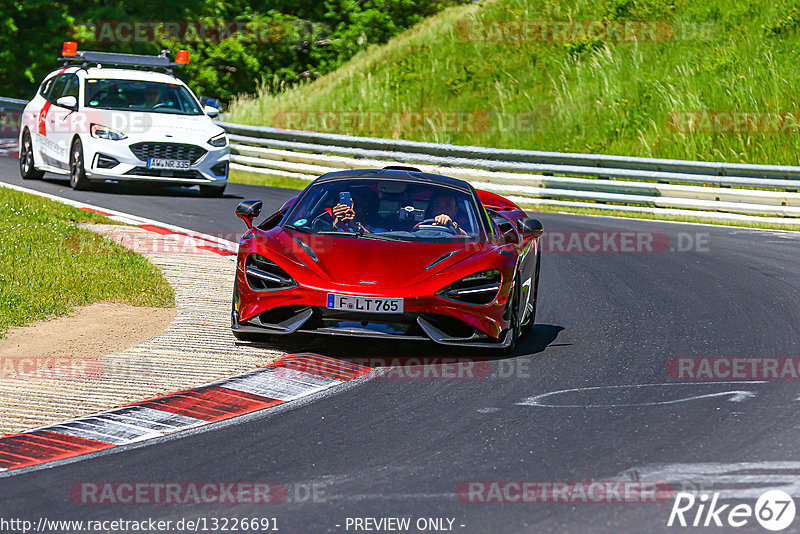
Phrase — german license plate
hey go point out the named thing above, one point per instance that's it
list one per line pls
(364, 304)
(158, 163)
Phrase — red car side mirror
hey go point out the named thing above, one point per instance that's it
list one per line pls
(530, 227)
(248, 210)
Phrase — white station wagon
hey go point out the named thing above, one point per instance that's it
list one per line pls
(122, 117)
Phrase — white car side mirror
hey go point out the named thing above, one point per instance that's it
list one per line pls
(69, 102)
(211, 111)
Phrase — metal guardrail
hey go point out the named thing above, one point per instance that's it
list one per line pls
(716, 190)
(10, 109)
(11, 102)
(729, 191)
(498, 156)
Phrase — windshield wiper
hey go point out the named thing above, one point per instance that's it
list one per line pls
(337, 233)
(381, 237)
(361, 234)
(298, 229)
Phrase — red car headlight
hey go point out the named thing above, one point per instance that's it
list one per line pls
(479, 288)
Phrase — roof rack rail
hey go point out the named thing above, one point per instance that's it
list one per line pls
(161, 62)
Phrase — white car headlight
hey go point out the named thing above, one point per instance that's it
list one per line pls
(219, 141)
(101, 132)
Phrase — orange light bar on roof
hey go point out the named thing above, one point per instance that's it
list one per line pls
(182, 58)
(70, 49)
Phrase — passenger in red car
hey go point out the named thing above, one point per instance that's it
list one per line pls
(362, 215)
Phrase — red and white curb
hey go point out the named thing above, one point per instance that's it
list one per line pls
(197, 346)
(290, 378)
(200, 240)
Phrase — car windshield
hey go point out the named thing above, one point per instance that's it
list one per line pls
(134, 95)
(387, 210)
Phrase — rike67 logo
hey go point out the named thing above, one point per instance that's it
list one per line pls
(774, 510)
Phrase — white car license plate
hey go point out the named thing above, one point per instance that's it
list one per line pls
(364, 304)
(158, 163)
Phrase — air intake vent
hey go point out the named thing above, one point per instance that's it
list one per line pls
(166, 173)
(106, 162)
(480, 288)
(264, 275)
(220, 169)
(168, 151)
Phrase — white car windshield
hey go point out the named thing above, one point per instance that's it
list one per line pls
(134, 95)
(386, 209)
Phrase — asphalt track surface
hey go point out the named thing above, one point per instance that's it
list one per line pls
(401, 447)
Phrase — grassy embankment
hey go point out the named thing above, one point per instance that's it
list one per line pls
(574, 92)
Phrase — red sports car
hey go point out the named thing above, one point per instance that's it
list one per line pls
(391, 253)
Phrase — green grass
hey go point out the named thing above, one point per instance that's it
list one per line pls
(596, 95)
(48, 265)
(257, 178)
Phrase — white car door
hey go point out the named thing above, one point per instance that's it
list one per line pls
(63, 122)
(51, 153)
(34, 117)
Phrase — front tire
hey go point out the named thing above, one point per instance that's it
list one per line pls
(77, 171)
(528, 326)
(514, 327)
(26, 163)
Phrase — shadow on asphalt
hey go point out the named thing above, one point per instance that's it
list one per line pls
(137, 189)
(376, 352)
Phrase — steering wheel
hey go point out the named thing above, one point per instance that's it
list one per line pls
(430, 224)
(323, 221)
(159, 105)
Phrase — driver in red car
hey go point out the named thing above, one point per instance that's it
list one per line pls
(443, 209)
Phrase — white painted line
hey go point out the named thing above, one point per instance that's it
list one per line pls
(735, 395)
(734, 480)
